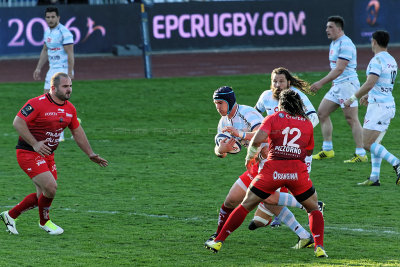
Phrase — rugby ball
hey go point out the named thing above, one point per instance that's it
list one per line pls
(220, 138)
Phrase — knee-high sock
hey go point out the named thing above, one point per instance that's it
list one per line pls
(380, 151)
(234, 221)
(316, 220)
(29, 202)
(375, 165)
(287, 217)
(224, 213)
(286, 199)
(44, 204)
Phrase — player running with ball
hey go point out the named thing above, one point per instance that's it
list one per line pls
(241, 122)
(290, 127)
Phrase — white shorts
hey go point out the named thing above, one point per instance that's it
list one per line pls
(378, 116)
(339, 93)
(50, 74)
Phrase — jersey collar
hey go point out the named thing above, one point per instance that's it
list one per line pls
(52, 101)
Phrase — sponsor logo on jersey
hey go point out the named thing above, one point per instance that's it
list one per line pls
(285, 176)
(295, 117)
(40, 162)
(68, 115)
(41, 98)
(60, 110)
(53, 58)
(51, 114)
(288, 149)
(27, 110)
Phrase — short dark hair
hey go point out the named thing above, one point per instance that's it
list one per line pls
(338, 20)
(51, 9)
(381, 37)
(56, 78)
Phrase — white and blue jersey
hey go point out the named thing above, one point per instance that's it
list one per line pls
(55, 39)
(267, 103)
(384, 66)
(343, 48)
(245, 119)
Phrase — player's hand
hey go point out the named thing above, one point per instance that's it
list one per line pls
(232, 130)
(226, 145)
(250, 163)
(42, 149)
(99, 160)
(36, 74)
(315, 87)
(364, 100)
(347, 103)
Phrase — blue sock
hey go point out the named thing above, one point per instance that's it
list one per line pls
(287, 217)
(286, 199)
(380, 151)
(360, 151)
(327, 145)
(376, 167)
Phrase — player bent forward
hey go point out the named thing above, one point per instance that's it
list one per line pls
(39, 125)
(288, 128)
(241, 122)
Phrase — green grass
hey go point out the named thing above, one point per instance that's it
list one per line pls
(158, 200)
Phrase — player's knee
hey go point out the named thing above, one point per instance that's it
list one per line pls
(231, 203)
(50, 190)
(352, 120)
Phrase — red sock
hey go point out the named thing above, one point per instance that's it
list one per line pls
(224, 213)
(29, 202)
(44, 204)
(316, 220)
(234, 221)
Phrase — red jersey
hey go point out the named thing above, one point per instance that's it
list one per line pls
(288, 137)
(46, 120)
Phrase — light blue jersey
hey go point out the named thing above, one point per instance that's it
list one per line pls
(384, 66)
(343, 48)
(266, 102)
(245, 119)
(55, 39)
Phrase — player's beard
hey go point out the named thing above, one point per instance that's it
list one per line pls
(276, 93)
(63, 97)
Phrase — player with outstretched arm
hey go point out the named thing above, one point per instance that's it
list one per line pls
(39, 125)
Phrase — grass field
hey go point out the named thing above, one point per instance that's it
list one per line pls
(158, 200)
